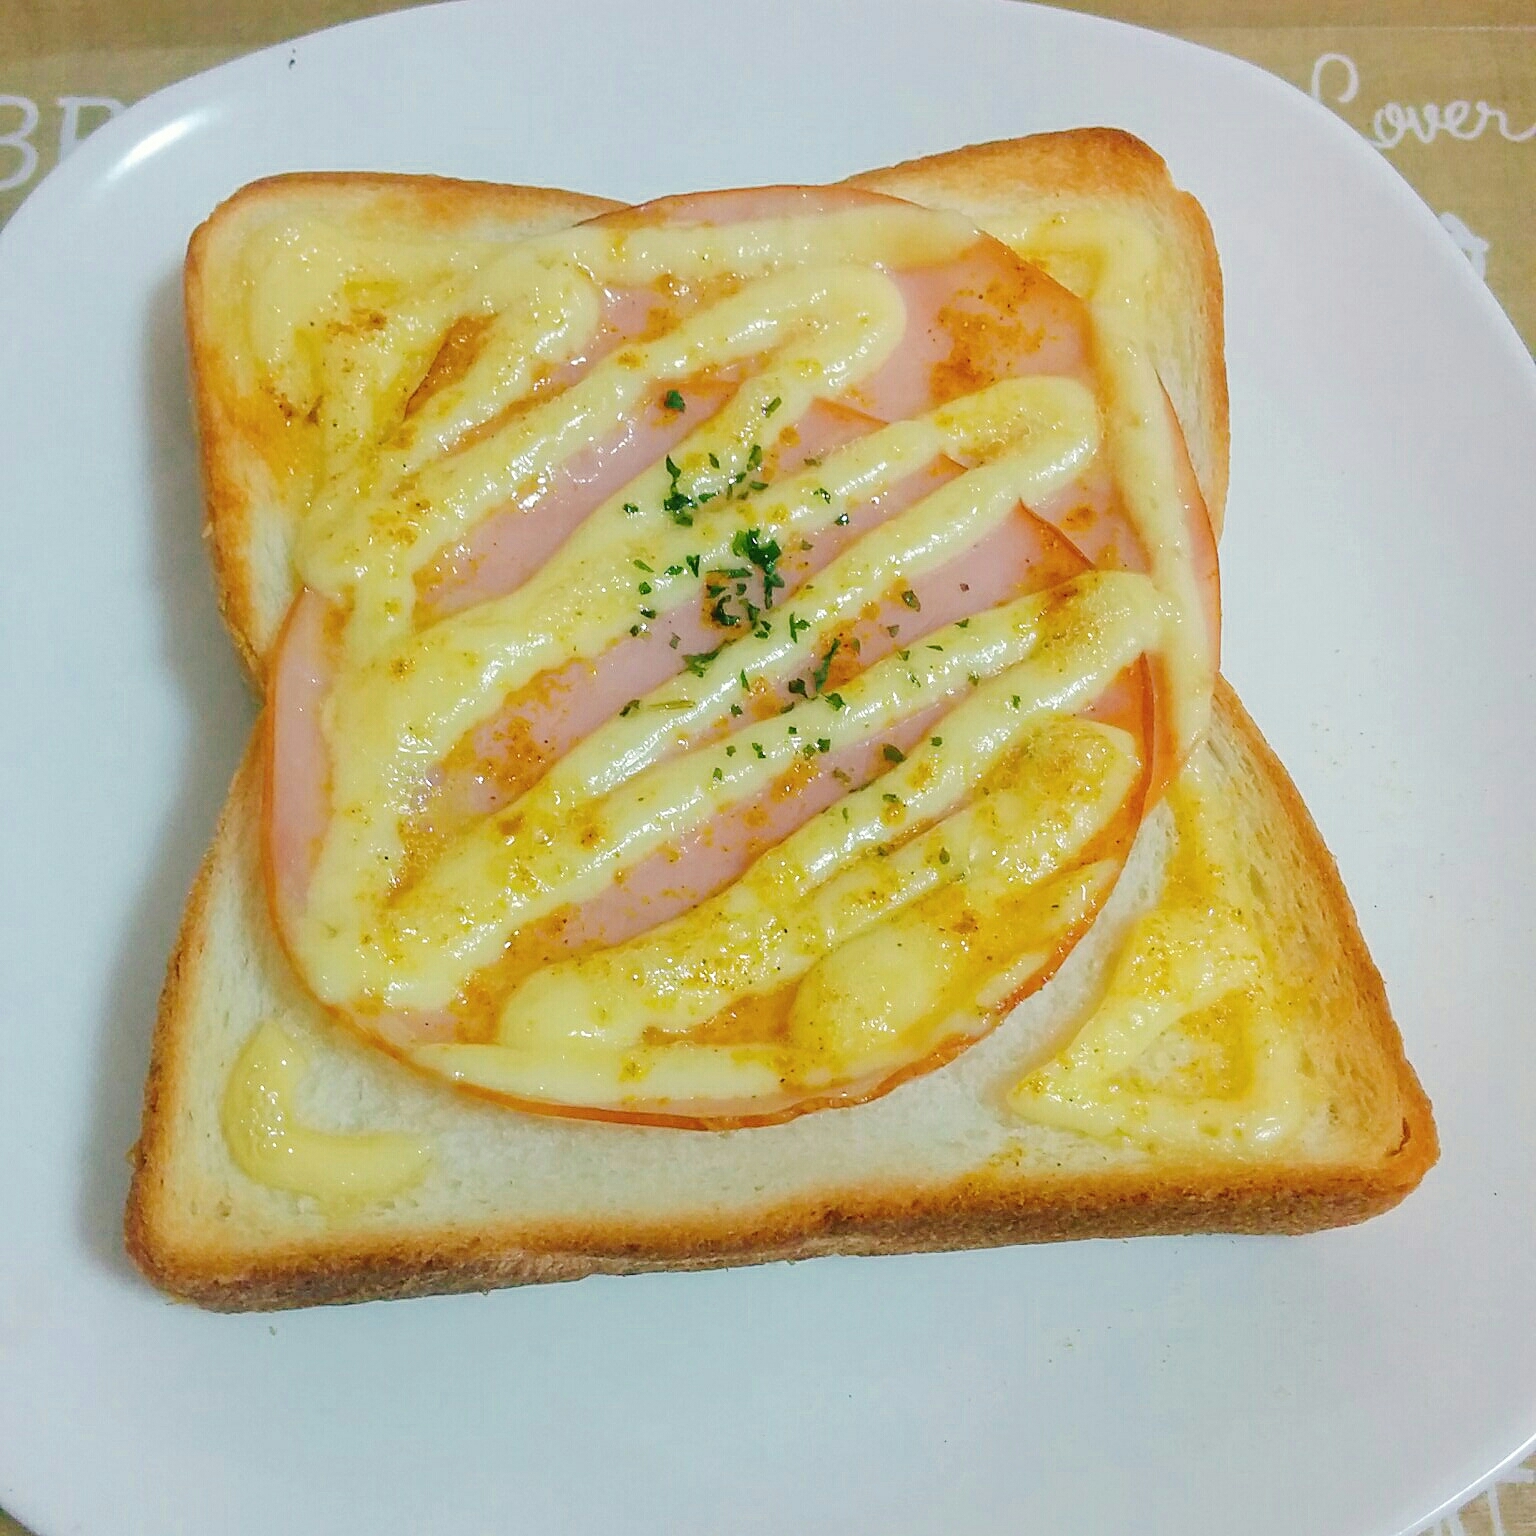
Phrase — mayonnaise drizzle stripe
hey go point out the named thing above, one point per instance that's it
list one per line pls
(547, 851)
(466, 665)
(371, 551)
(774, 924)
(1111, 260)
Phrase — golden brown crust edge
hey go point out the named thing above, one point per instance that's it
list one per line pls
(226, 514)
(969, 1214)
(1419, 1149)
(148, 1228)
(984, 1209)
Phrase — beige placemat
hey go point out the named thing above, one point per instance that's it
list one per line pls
(1453, 107)
(1445, 89)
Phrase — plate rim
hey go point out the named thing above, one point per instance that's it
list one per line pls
(138, 125)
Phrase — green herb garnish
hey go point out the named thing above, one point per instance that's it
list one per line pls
(677, 503)
(762, 551)
(824, 666)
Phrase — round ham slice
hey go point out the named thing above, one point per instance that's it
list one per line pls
(979, 319)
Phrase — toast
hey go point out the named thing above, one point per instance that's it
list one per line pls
(1273, 1097)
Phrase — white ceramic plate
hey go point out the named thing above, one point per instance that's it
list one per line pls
(1379, 566)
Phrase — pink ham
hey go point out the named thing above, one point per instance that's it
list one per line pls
(1022, 556)
(674, 880)
(298, 762)
(560, 708)
(984, 317)
(515, 541)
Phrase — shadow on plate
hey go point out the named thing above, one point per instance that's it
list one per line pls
(199, 659)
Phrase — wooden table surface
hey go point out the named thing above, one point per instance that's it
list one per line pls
(1445, 89)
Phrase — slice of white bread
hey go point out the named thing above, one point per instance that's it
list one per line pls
(941, 1162)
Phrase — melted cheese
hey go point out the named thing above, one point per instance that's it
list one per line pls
(270, 1144)
(421, 694)
(567, 846)
(823, 327)
(1188, 1048)
(779, 926)
(869, 941)
(1110, 259)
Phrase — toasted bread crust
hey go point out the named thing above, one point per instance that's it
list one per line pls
(970, 1214)
(996, 1203)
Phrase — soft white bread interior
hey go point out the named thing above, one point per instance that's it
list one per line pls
(942, 1161)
